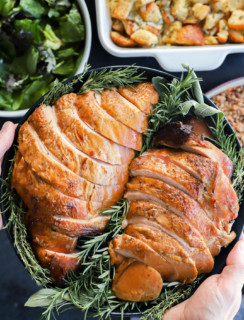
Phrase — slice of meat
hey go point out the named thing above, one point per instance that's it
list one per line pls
(36, 193)
(59, 264)
(151, 214)
(123, 110)
(48, 238)
(85, 138)
(169, 248)
(52, 171)
(130, 247)
(69, 226)
(148, 189)
(219, 209)
(138, 282)
(219, 197)
(44, 121)
(93, 115)
(142, 95)
(180, 135)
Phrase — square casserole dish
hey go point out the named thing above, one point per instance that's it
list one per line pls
(201, 58)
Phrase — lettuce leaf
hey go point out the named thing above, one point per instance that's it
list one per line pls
(32, 7)
(52, 41)
(6, 7)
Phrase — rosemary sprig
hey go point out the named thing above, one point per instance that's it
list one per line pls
(14, 206)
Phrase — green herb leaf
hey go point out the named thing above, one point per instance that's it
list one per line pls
(196, 88)
(203, 110)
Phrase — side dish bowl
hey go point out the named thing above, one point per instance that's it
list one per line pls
(169, 57)
(224, 86)
(86, 52)
(148, 73)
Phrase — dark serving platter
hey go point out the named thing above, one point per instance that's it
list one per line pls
(149, 73)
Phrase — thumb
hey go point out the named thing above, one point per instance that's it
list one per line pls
(6, 137)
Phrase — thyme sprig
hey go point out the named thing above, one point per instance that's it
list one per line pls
(14, 207)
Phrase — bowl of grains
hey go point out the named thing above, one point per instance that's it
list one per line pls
(229, 98)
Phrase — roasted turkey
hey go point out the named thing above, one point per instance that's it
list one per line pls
(72, 160)
(181, 209)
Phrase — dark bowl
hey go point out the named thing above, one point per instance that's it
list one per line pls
(220, 260)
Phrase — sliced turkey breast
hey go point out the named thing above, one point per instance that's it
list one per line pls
(148, 189)
(93, 115)
(36, 193)
(52, 171)
(221, 208)
(59, 264)
(123, 110)
(131, 247)
(44, 121)
(142, 95)
(169, 248)
(183, 136)
(85, 138)
(152, 215)
(145, 286)
(220, 196)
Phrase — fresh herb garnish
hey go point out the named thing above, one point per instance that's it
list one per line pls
(40, 41)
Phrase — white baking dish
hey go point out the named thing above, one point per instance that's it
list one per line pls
(169, 57)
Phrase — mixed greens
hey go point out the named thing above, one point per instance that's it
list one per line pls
(40, 41)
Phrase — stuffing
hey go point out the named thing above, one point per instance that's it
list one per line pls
(144, 38)
(236, 20)
(179, 9)
(150, 13)
(212, 20)
(117, 25)
(236, 36)
(122, 9)
(121, 40)
(223, 31)
(190, 35)
(200, 11)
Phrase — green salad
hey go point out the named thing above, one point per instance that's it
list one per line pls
(40, 41)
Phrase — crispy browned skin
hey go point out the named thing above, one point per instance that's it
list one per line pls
(151, 214)
(86, 139)
(188, 138)
(146, 286)
(142, 96)
(89, 110)
(44, 121)
(218, 195)
(53, 172)
(123, 110)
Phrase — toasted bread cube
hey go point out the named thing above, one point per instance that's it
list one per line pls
(130, 26)
(190, 35)
(201, 1)
(170, 33)
(236, 4)
(200, 11)
(179, 9)
(210, 40)
(212, 20)
(167, 17)
(155, 30)
(223, 31)
(236, 36)
(236, 20)
(141, 3)
(150, 13)
(220, 5)
(144, 38)
(121, 40)
(117, 25)
(122, 9)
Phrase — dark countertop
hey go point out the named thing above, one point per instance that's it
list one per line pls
(15, 283)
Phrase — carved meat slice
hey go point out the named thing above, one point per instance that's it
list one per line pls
(59, 264)
(221, 208)
(142, 95)
(131, 247)
(85, 138)
(148, 189)
(183, 136)
(169, 248)
(153, 215)
(93, 115)
(123, 110)
(36, 193)
(220, 197)
(53, 172)
(44, 121)
(145, 286)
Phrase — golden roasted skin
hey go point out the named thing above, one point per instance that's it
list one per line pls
(123, 110)
(151, 214)
(84, 138)
(44, 122)
(142, 95)
(89, 111)
(53, 172)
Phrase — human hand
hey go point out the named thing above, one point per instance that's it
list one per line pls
(218, 297)
(6, 140)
